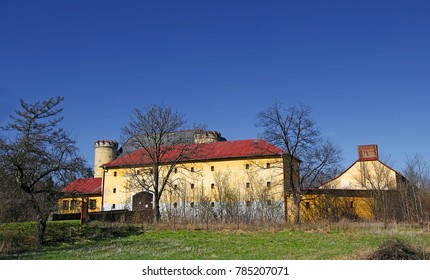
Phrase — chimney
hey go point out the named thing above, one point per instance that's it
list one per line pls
(368, 152)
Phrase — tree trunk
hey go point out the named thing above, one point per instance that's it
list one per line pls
(156, 211)
(297, 212)
(41, 228)
(285, 207)
(41, 220)
(157, 192)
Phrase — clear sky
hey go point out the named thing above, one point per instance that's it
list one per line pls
(363, 66)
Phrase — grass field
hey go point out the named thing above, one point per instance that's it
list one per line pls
(68, 240)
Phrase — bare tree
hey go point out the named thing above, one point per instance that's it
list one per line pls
(417, 174)
(227, 195)
(293, 130)
(38, 155)
(14, 207)
(382, 182)
(265, 190)
(154, 132)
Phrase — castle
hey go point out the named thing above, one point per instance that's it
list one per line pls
(245, 173)
(238, 178)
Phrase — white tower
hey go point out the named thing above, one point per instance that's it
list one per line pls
(105, 151)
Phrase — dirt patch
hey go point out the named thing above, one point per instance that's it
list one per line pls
(397, 249)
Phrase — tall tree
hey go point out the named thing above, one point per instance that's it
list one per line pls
(380, 181)
(417, 185)
(37, 155)
(155, 131)
(293, 130)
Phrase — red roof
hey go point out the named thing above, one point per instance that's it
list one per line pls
(199, 152)
(85, 186)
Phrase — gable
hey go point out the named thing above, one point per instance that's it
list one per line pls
(364, 175)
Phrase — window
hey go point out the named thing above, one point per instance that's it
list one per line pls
(246, 166)
(73, 205)
(212, 186)
(175, 187)
(268, 165)
(248, 203)
(113, 206)
(192, 204)
(269, 202)
(307, 205)
(248, 185)
(352, 204)
(65, 205)
(93, 204)
(192, 169)
(176, 170)
(114, 190)
(212, 204)
(114, 174)
(192, 186)
(175, 205)
(138, 172)
(269, 184)
(212, 168)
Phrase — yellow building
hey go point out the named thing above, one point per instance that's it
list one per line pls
(223, 179)
(368, 189)
(89, 190)
(241, 178)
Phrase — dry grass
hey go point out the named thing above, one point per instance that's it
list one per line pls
(396, 249)
(342, 240)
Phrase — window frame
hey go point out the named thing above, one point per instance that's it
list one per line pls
(73, 204)
(65, 204)
(92, 204)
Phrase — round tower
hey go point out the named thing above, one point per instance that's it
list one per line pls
(105, 151)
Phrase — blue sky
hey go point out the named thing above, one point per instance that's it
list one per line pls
(363, 66)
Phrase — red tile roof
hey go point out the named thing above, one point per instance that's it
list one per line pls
(85, 186)
(199, 152)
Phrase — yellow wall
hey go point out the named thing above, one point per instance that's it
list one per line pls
(230, 180)
(319, 207)
(116, 192)
(207, 178)
(362, 175)
(70, 202)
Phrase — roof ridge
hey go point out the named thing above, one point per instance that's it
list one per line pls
(226, 149)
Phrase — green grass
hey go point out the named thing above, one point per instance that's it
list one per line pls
(68, 240)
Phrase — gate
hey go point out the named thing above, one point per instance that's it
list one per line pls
(142, 205)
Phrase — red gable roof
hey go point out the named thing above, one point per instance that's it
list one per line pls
(85, 186)
(206, 151)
